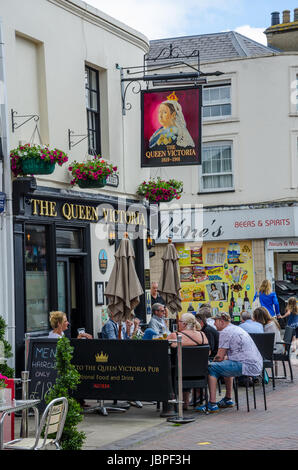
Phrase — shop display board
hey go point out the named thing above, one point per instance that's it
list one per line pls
(219, 273)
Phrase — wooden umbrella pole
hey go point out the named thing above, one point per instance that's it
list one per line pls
(119, 329)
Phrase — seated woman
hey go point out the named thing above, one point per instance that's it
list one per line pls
(190, 330)
(271, 325)
(191, 336)
(59, 323)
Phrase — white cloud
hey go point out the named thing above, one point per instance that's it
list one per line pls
(154, 19)
(167, 18)
(256, 34)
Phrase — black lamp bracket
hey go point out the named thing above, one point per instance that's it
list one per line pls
(27, 117)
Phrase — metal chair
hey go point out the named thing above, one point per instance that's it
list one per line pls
(265, 344)
(194, 369)
(52, 422)
(286, 355)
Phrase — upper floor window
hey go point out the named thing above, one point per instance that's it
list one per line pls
(217, 167)
(217, 101)
(93, 113)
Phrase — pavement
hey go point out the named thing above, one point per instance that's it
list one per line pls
(143, 428)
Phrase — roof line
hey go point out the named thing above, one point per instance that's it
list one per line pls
(191, 36)
(238, 43)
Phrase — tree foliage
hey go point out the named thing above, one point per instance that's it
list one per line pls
(67, 381)
(4, 368)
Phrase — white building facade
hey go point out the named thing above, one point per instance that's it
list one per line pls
(62, 62)
(248, 179)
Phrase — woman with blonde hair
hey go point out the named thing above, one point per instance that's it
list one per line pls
(59, 323)
(190, 328)
(268, 299)
(271, 325)
(291, 312)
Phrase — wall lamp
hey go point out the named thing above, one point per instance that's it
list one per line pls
(112, 238)
(150, 243)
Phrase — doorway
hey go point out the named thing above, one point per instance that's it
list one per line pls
(70, 292)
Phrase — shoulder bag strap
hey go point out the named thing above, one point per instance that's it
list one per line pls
(191, 338)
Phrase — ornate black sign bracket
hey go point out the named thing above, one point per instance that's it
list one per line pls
(169, 57)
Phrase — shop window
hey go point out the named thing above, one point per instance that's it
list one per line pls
(217, 167)
(37, 278)
(217, 102)
(93, 110)
(69, 240)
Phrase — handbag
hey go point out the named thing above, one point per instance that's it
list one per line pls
(256, 303)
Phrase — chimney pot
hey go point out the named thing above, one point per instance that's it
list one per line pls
(286, 16)
(296, 14)
(275, 18)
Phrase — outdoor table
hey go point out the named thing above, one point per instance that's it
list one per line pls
(12, 406)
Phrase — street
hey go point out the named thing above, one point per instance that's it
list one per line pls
(229, 429)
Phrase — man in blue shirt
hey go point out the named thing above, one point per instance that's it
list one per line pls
(111, 329)
(249, 325)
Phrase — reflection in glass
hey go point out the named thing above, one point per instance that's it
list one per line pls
(36, 278)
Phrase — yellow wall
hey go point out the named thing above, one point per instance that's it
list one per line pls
(228, 265)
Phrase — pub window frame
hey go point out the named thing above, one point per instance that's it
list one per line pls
(93, 115)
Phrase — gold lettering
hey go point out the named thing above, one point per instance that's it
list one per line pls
(74, 213)
(142, 222)
(88, 213)
(34, 201)
(81, 213)
(53, 212)
(105, 214)
(43, 206)
(112, 216)
(94, 213)
(66, 211)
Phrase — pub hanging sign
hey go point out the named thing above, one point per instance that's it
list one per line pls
(171, 127)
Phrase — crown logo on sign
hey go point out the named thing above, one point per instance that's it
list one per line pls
(172, 97)
(102, 357)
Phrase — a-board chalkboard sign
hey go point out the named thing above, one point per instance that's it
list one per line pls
(122, 370)
(41, 367)
(109, 369)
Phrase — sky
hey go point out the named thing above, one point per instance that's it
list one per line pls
(158, 19)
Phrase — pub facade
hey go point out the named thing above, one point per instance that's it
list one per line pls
(63, 91)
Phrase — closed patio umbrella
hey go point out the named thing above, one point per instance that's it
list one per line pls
(169, 282)
(124, 289)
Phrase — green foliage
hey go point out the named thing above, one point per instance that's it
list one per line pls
(4, 368)
(67, 381)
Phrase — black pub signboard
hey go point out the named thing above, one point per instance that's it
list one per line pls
(122, 370)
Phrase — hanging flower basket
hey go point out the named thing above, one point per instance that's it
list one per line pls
(35, 160)
(88, 183)
(158, 190)
(32, 166)
(92, 173)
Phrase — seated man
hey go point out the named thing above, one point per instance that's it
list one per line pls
(211, 333)
(157, 322)
(249, 325)
(237, 355)
(111, 329)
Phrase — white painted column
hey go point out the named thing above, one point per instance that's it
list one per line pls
(7, 304)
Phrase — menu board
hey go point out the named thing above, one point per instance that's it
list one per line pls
(215, 273)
